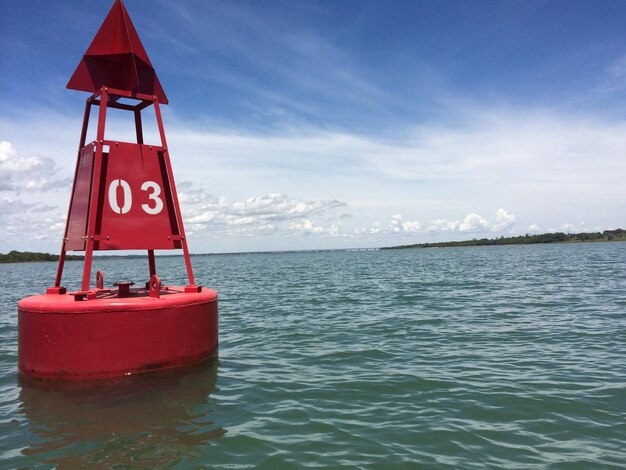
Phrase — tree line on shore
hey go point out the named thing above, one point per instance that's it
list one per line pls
(29, 256)
(556, 237)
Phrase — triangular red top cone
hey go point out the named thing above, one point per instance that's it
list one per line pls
(116, 59)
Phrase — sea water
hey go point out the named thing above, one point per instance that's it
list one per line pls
(480, 357)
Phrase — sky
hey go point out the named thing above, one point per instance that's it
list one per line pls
(336, 124)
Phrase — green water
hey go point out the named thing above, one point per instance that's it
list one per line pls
(493, 357)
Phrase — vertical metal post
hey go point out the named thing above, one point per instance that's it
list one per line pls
(151, 262)
(57, 281)
(95, 192)
(139, 132)
(81, 145)
(168, 165)
(138, 127)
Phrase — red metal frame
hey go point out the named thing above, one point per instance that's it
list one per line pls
(123, 198)
(116, 58)
(116, 66)
(108, 98)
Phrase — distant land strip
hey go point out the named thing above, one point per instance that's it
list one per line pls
(617, 235)
(29, 256)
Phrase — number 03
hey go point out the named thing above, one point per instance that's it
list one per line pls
(128, 197)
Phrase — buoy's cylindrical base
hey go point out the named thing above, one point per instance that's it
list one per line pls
(61, 338)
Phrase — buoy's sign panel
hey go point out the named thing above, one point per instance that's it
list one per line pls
(135, 206)
(79, 208)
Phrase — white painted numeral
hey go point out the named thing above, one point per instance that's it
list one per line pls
(128, 197)
(154, 196)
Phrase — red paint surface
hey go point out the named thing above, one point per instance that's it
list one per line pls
(137, 164)
(60, 338)
(77, 223)
(124, 194)
(116, 58)
(123, 198)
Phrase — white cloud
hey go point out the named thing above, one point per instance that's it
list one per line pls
(260, 214)
(373, 230)
(10, 206)
(541, 164)
(398, 226)
(19, 173)
(533, 162)
(503, 221)
(533, 228)
(471, 223)
(28, 209)
(307, 227)
(188, 195)
(24, 226)
(474, 223)
(279, 214)
(573, 228)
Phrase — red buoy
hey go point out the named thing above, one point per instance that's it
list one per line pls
(123, 198)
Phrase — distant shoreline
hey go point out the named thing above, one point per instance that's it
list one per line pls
(32, 256)
(616, 235)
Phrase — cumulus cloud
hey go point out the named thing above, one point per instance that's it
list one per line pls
(373, 230)
(471, 223)
(535, 161)
(533, 228)
(502, 221)
(24, 226)
(398, 226)
(188, 195)
(10, 206)
(577, 228)
(307, 227)
(19, 173)
(27, 210)
(261, 214)
(538, 155)
(278, 213)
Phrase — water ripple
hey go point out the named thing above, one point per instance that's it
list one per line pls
(489, 357)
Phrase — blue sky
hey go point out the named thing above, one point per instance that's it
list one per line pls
(296, 125)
